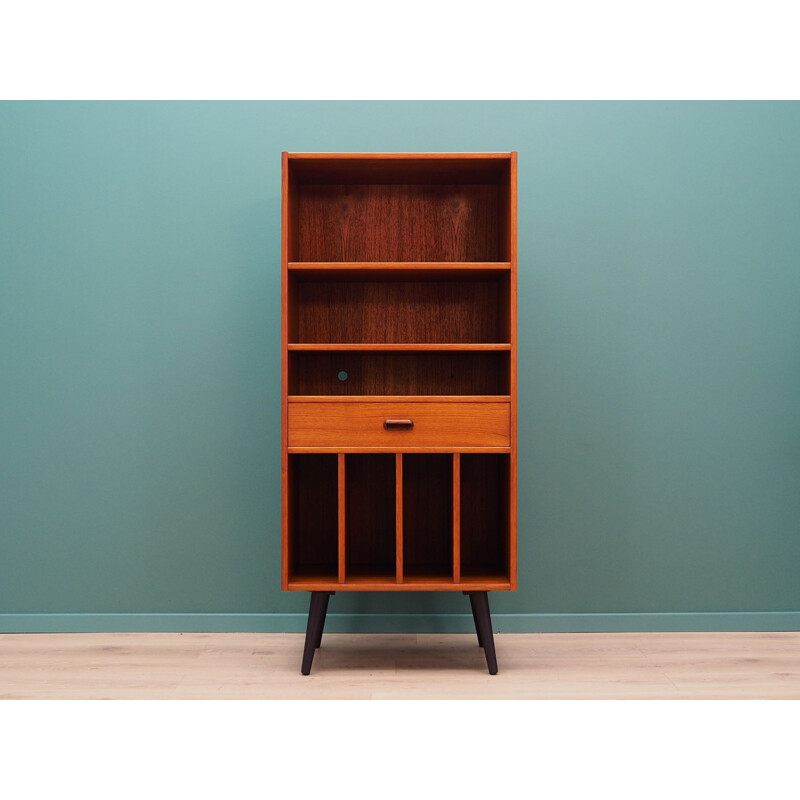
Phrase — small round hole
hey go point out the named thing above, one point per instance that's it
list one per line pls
(343, 376)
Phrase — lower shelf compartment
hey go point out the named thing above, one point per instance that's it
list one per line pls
(427, 516)
(485, 523)
(312, 513)
(399, 522)
(370, 547)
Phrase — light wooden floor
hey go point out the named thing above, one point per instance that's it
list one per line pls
(401, 666)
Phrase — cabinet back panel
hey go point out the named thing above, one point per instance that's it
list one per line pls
(380, 312)
(399, 373)
(401, 222)
(484, 514)
(370, 514)
(313, 515)
(428, 515)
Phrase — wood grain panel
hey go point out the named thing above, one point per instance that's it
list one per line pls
(441, 398)
(370, 501)
(427, 516)
(395, 449)
(391, 270)
(398, 373)
(398, 525)
(365, 581)
(365, 312)
(400, 168)
(484, 515)
(456, 517)
(342, 500)
(353, 424)
(399, 347)
(400, 222)
(313, 516)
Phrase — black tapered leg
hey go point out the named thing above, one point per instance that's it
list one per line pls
(327, 596)
(475, 618)
(316, 619)
(483, 624)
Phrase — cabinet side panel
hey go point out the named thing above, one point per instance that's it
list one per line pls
(285, 233)
(512, 481)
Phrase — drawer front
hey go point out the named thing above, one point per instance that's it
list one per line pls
(395, 425)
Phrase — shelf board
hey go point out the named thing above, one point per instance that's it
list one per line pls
(400, 398)
(397, 346)
(335, 156)
(397, 270)
(418, 583)
(400, 449)
(366, 266)
(427, 580)
(484, 578)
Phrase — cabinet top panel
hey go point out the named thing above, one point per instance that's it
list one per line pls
(344, 156)
(399, 167)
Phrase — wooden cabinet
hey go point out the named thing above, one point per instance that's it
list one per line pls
(399, 380)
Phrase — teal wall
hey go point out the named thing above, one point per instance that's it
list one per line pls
(659, 307)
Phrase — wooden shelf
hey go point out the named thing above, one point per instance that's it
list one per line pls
(378, 583)
(400, 449)
(402, 398)
(394, 346)
(366, 579)
(397, 270)
(397, 266)
(422, 581)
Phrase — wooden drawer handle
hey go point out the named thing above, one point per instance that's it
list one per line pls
(398, 424)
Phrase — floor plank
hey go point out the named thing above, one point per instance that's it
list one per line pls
(400, 666)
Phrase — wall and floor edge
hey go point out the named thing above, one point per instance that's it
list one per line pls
(402, 623)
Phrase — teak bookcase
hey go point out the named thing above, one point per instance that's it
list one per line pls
(399, 377)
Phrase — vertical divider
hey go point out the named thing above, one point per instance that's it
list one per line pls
(456, 517)
(342, 519)
(399, 515)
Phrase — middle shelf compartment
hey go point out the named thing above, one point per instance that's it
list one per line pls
(348, 372)
(468, 307)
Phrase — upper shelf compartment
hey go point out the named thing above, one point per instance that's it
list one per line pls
(406, 312)
(391, 208)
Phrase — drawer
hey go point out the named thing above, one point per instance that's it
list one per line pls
(396, 425)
